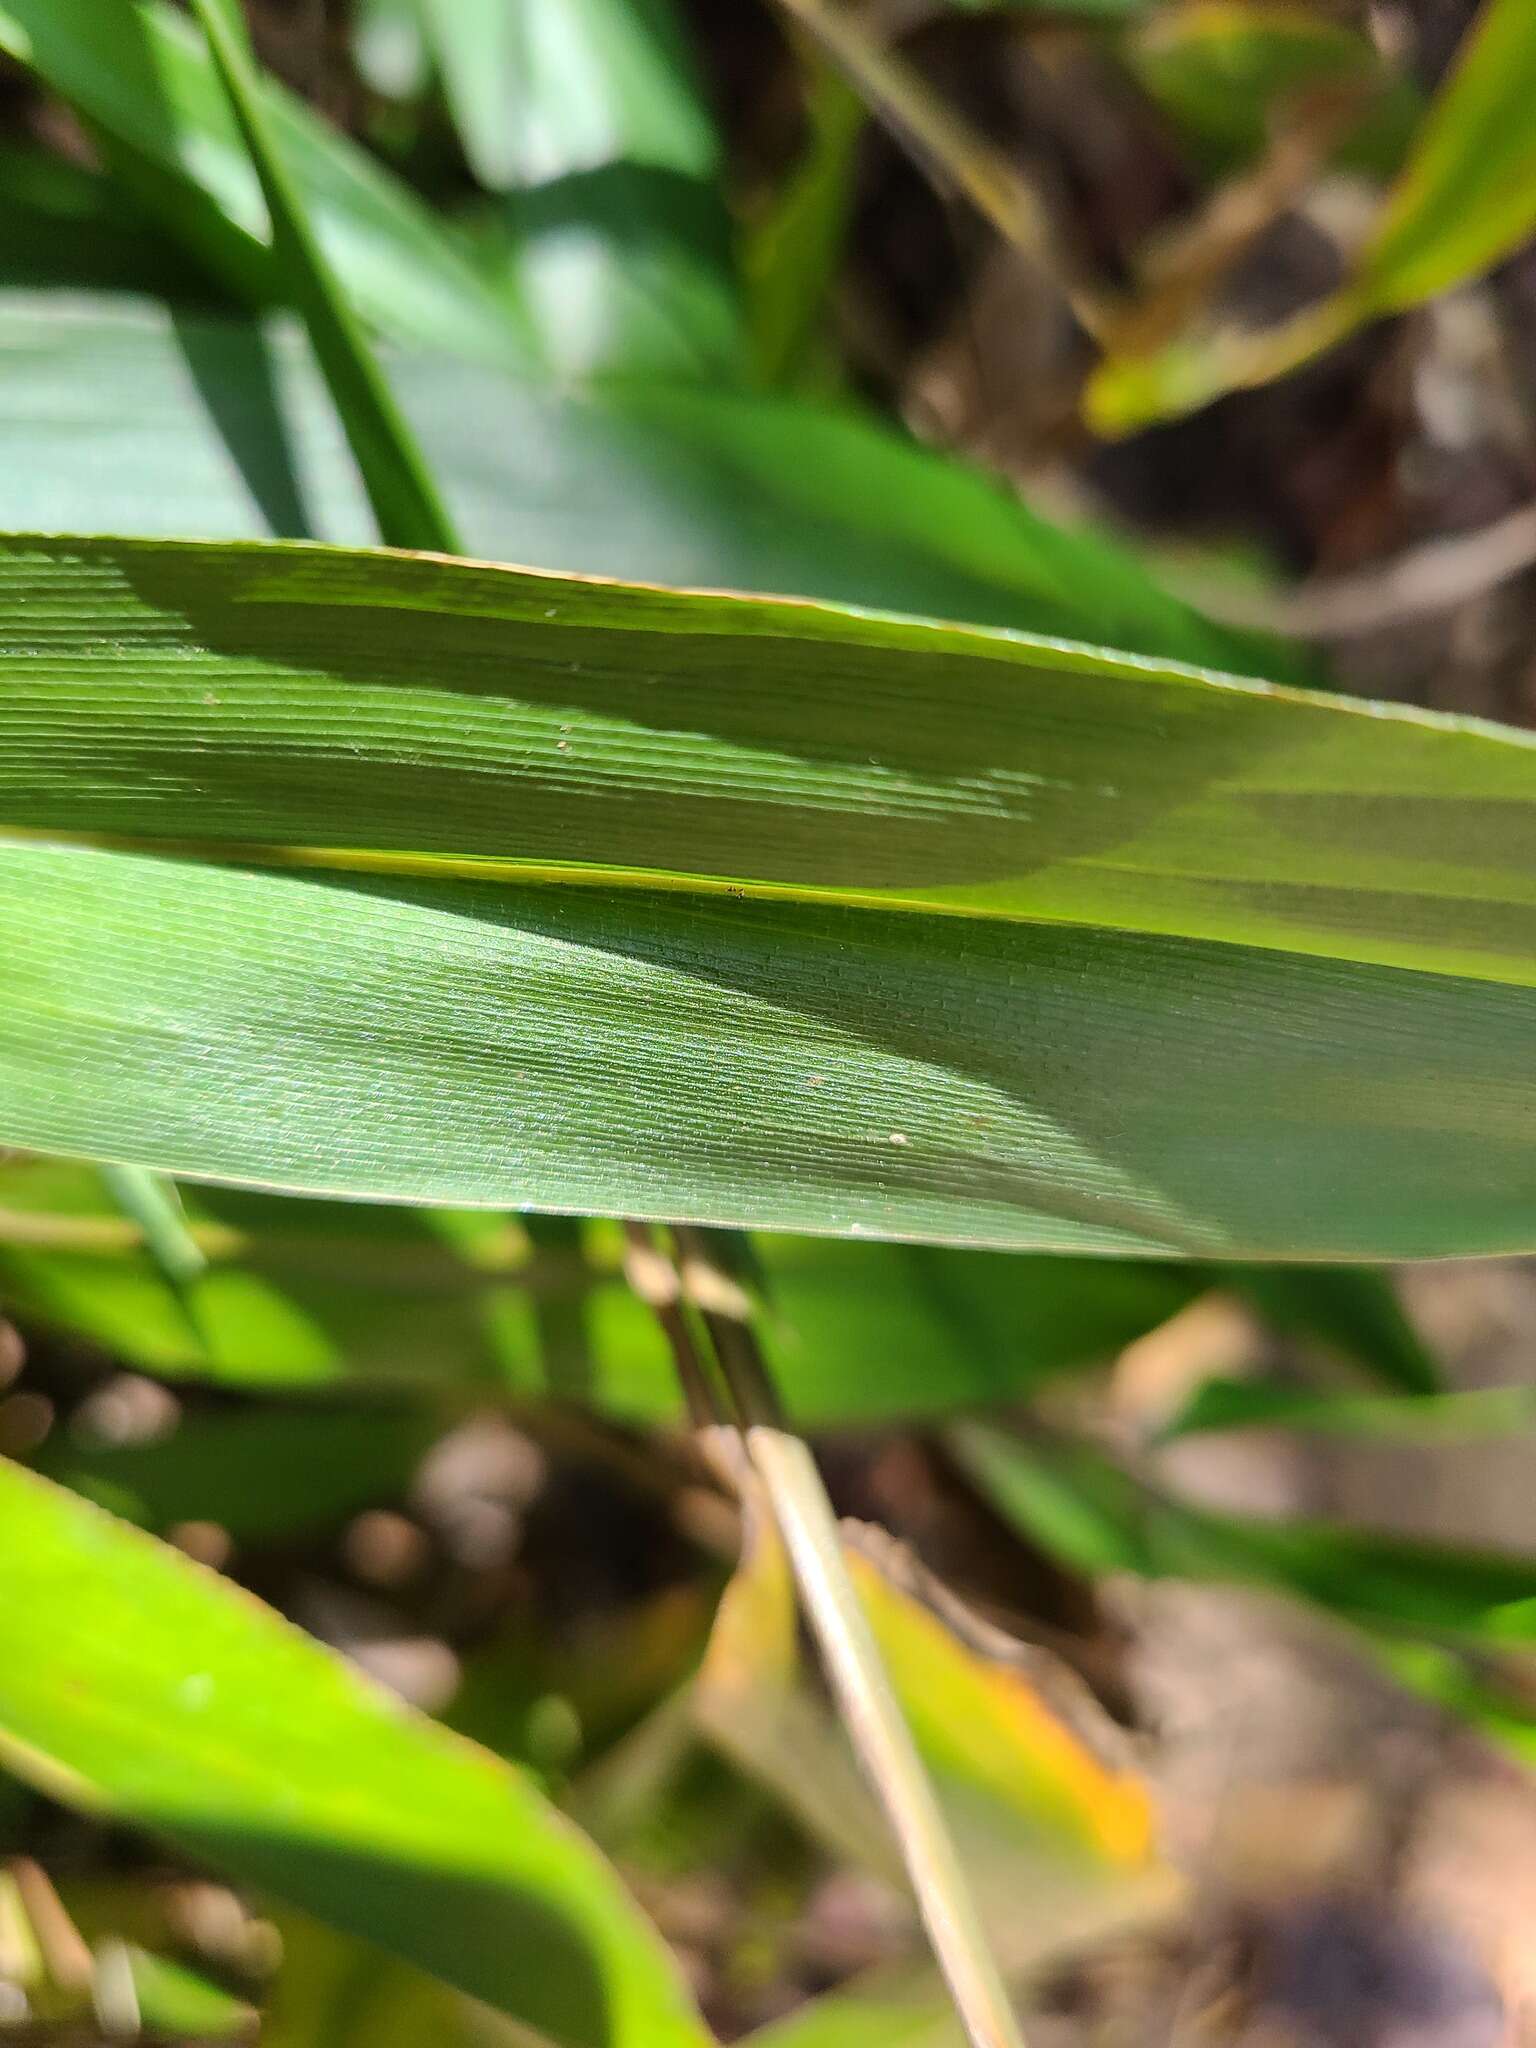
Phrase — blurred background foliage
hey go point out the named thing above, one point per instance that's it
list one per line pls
(1203, 329)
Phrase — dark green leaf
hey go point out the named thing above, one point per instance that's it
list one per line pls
(268, 1474)
(62, 225)
(327, 709)
(625, 272)
(781, 1065)
(792, 252)
(1390, 1418)
(1353, 1312)
(1099, 1518)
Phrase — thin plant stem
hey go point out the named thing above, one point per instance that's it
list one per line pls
(871, 1712)
(881, 1737)
(400, 488)
(653, 1279)
(953, 151)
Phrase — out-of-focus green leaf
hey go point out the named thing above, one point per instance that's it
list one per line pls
(176, 2002)
(1392, 1418)
(626, 272)
(117, 416)
(296, 1295)
(1077, 1504)
(541, 89)
(259, 1476)
(1354, 1312)
(477, 45)
(1465, 1686)
(474, 1016)
(62, 225)
(617, 245)
(572, 85)
(891, 2008)
(134, 1989)
(792, 252)
(332, 1992)
(138, 73)
(133, 1682)
(400, 487)
(1465, 199)
(154, 1206)
(1467, 196)
(1222, 69)
(316, 1294)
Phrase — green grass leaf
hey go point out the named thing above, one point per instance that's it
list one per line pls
(358, 711)
(122, 417)
(135, 1683)
(793, 250)
(1467, 196)
(1355, 1314)
(308, 1296)
(261, 1475)
(1067, 1497)
(1222, 69)
(1464, 200)
(139, 75)
(64, 226)
(154, 1207)
(1219, 1404)
(399, 485)
(551, 87)
(331, 1992)
(626, 272)
(314, 1295)
(173, 2000)
(899, 993)
(659, 1056)
(389, 48)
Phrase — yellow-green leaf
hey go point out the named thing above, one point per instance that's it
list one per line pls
(134, 1683)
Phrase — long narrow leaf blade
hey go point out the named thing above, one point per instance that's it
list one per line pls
(117, 417)
(1076, 1503)
(134, 1683)
(1222, 1404)
(138, 73)
(400, 488)
(784, 1065)
(407, 716)
(1467, 196)
(956, 1033)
